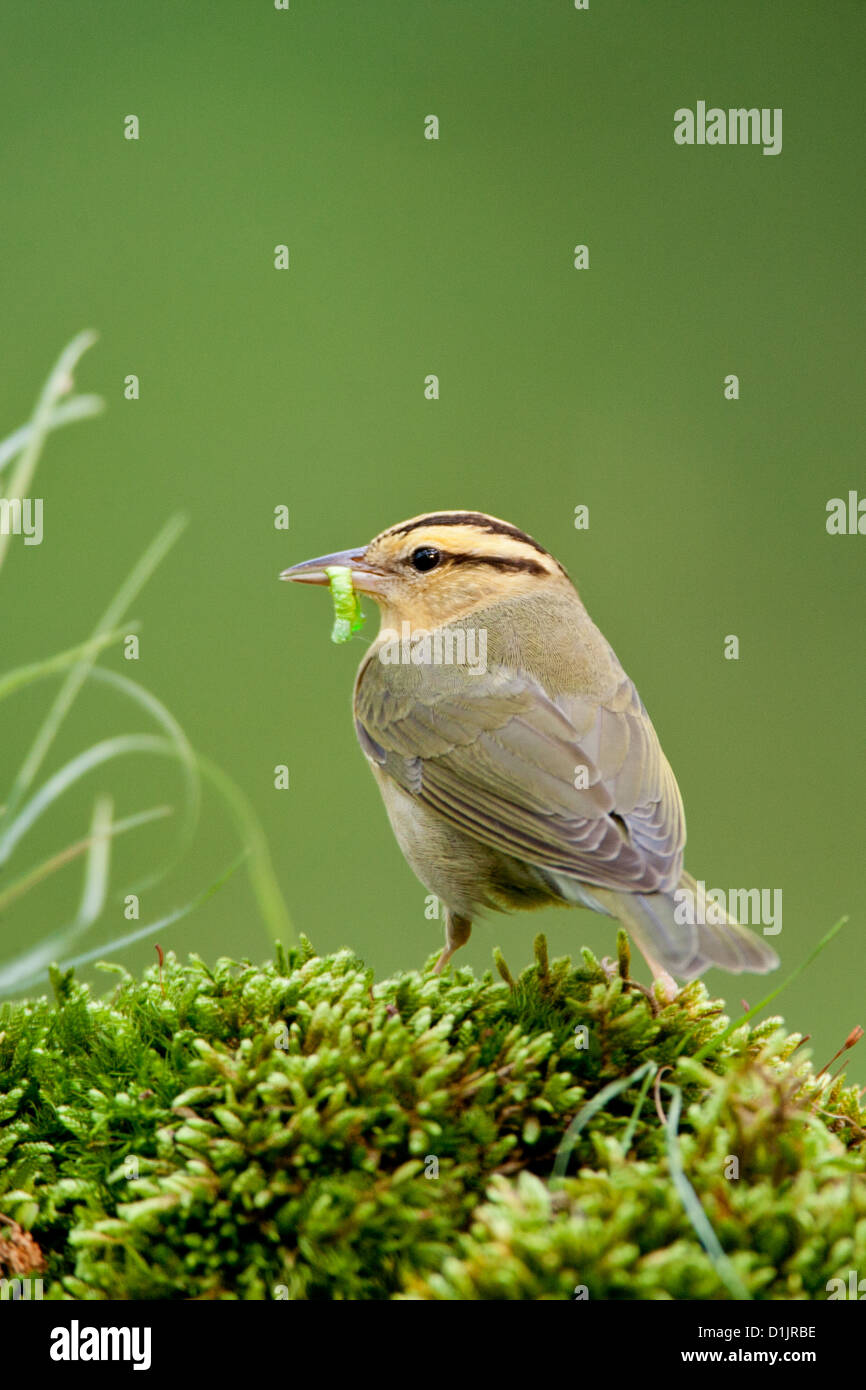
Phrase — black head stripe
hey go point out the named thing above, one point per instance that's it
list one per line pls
(512, 563)
(484, 523)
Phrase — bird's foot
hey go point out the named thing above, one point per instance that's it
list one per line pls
(612, 971)
(665, 986)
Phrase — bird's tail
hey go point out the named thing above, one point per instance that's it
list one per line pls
(685, 934)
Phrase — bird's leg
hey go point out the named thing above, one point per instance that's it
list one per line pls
(457, 933)
(669, 987)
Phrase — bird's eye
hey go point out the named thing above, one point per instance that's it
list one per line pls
(425, 558)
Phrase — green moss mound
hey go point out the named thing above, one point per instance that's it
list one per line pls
(296, 1130)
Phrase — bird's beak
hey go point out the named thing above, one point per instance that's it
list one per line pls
(366, 579)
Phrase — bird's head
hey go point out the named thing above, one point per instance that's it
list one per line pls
(437, 568)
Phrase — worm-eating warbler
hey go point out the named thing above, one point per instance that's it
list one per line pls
(534, 776)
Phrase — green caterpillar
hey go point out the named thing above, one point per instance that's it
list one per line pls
(348, 617)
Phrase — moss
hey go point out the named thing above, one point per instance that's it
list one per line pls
(298, 1130)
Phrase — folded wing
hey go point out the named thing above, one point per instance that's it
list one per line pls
(574, 785)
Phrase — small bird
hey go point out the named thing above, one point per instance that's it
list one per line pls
(531, 775)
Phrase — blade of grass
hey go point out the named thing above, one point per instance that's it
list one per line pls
(78, 767)
(263, 880)
(592, 1107)
(24, 967)
(711, 1046)
(58, 861)
(77, 676)
(691, 1202)
(628, 1136)
(78, 408)
(150, 929)
(23, 676)
(186, 757)
(59, 384)
(26, 675)
(97, 867)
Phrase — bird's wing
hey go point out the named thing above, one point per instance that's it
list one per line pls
(501, 760)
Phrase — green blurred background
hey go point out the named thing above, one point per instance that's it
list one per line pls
(558, 387)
